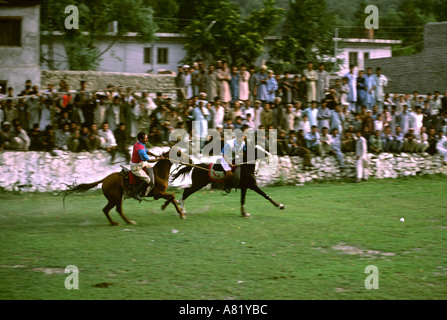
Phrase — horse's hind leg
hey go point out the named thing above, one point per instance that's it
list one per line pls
(266, 196)
(119, 209)
(244, 213)
(109, 206)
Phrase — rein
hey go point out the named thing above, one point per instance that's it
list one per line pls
(195, 166)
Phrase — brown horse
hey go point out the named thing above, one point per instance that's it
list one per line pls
(113, 187)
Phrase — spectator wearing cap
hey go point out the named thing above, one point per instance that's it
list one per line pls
(6, 135)
(272, 86)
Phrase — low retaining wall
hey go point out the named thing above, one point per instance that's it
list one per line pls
(39, 171)
(97, 80)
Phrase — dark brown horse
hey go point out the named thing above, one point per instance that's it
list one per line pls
(113, 187)
(200, 176)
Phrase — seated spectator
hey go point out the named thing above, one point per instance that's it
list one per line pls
(74, 141)
(387, 139)
(35, 138)
(313, 141)
(20, 139)
(422, 140)
(375, 143)
(441, 146)
(348, 142)
(93, 138)
(432, 141)
(121, 141)
(302, 150)
(107, 141)
(84, 139)
(410, 143)
(397, 141)
(336, 147)
(282, 144)
(326, 141)
(62, 136)
(7, 135)
(48, 140)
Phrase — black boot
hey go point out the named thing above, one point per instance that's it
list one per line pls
(228, 181)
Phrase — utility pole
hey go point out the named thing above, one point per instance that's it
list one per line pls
(336, 39)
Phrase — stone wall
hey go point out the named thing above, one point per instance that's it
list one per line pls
(424, 72)
(41, 172)
(99, 81)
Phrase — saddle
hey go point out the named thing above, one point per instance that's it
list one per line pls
(217, 174)
(130, 178)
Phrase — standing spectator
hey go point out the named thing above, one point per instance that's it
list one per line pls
(114, 113)
(381, 82)
(211, 83)
(35, 138)
(100, 114)
(199, 117)
(361, 90)
(121, 141)
(272, 86)
(33, 107)
(370, 86)
(337, 119)
(304, 125)
(180, 84)
(244, 78)
(261, 85)
(361, 155)
(288, 122)
(252, 84)
(387, 139)
(10, 111)
(286, 88)
(352, 83)
(23, 115)
(234, 84)
(45, 116)
(422, 140)
(257, 112)
(324, 116)
(219, 113)
(322, 83)
(311, 79)
(224, 77)
(188, 82)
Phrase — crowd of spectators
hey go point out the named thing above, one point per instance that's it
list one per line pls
(313, 115)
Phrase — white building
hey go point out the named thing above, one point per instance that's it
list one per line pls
(19, 43)
(353, 51)
(129, 54)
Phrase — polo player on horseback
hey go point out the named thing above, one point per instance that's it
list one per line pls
(232, 150)
(139, 161)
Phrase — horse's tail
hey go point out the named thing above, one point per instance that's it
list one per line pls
(75, 188)
(182, 172)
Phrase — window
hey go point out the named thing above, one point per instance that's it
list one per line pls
(147, 55)
(3, 86)
(162, 55)
(365, 56)
(353, 59)
(10, 31)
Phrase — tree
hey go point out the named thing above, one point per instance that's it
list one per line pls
(307, 36)
(230, 37)
(81, 45)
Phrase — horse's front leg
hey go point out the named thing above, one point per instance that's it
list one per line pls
(266, 196)
(244, 213)
(170, 198)
(163, 206)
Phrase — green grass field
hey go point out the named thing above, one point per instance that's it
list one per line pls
(318, 248)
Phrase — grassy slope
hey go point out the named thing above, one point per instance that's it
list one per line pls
(316, 249)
